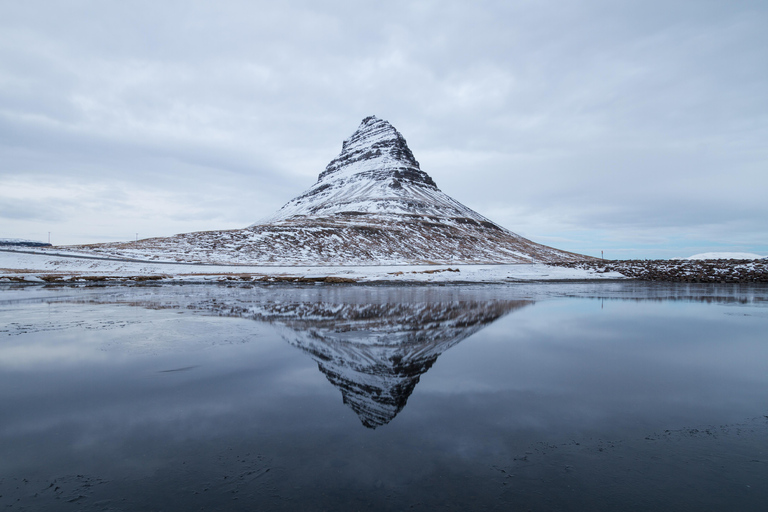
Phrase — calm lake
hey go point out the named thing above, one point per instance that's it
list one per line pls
(590, 396)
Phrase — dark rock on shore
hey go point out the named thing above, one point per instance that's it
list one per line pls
(685, 271)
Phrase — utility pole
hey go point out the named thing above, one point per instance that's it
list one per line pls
(601, 255)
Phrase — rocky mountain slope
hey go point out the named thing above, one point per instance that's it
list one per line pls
(372, 205)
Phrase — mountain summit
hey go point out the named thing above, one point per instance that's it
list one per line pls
(375, 172)
(372, 205)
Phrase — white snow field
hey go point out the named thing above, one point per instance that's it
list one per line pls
(45, 266)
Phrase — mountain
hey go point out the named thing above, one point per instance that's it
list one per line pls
(371, 205)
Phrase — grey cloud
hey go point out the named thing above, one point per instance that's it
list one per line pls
(609, 114)
(29, 210)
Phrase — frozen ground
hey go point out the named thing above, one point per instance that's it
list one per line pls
(47, 266)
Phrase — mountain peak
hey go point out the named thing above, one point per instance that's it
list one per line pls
(375, 145)
(373, 130)
(375, 173)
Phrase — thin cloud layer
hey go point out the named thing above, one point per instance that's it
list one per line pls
(635, 128)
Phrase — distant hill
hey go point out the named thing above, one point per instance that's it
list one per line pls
(725, 256)
(20, 242)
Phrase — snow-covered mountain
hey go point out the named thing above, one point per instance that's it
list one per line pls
(371, 205)
(375, 174)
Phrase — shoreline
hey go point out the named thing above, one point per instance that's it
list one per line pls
(46, 268)
(681, 271)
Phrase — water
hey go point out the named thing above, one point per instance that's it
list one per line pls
(552, 396)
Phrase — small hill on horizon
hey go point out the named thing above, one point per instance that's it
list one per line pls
(725, 256)
(22, 242)
(372, 205)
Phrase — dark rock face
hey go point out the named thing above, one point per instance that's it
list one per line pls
(377, 139)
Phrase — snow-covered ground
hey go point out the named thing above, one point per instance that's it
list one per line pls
(39, 266)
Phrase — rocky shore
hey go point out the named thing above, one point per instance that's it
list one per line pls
(686, 271)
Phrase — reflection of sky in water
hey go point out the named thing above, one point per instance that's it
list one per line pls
(571, 365)
(86, 387)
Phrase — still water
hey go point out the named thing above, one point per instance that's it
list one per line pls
(601, 396)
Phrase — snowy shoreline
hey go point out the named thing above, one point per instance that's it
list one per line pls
(47, 267)
(684, 271)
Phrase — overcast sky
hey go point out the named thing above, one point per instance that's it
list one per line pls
(638, 128)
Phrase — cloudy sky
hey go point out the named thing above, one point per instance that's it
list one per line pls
(637, 128)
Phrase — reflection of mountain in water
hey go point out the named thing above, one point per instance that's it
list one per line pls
(376, 353)
(374, 349)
